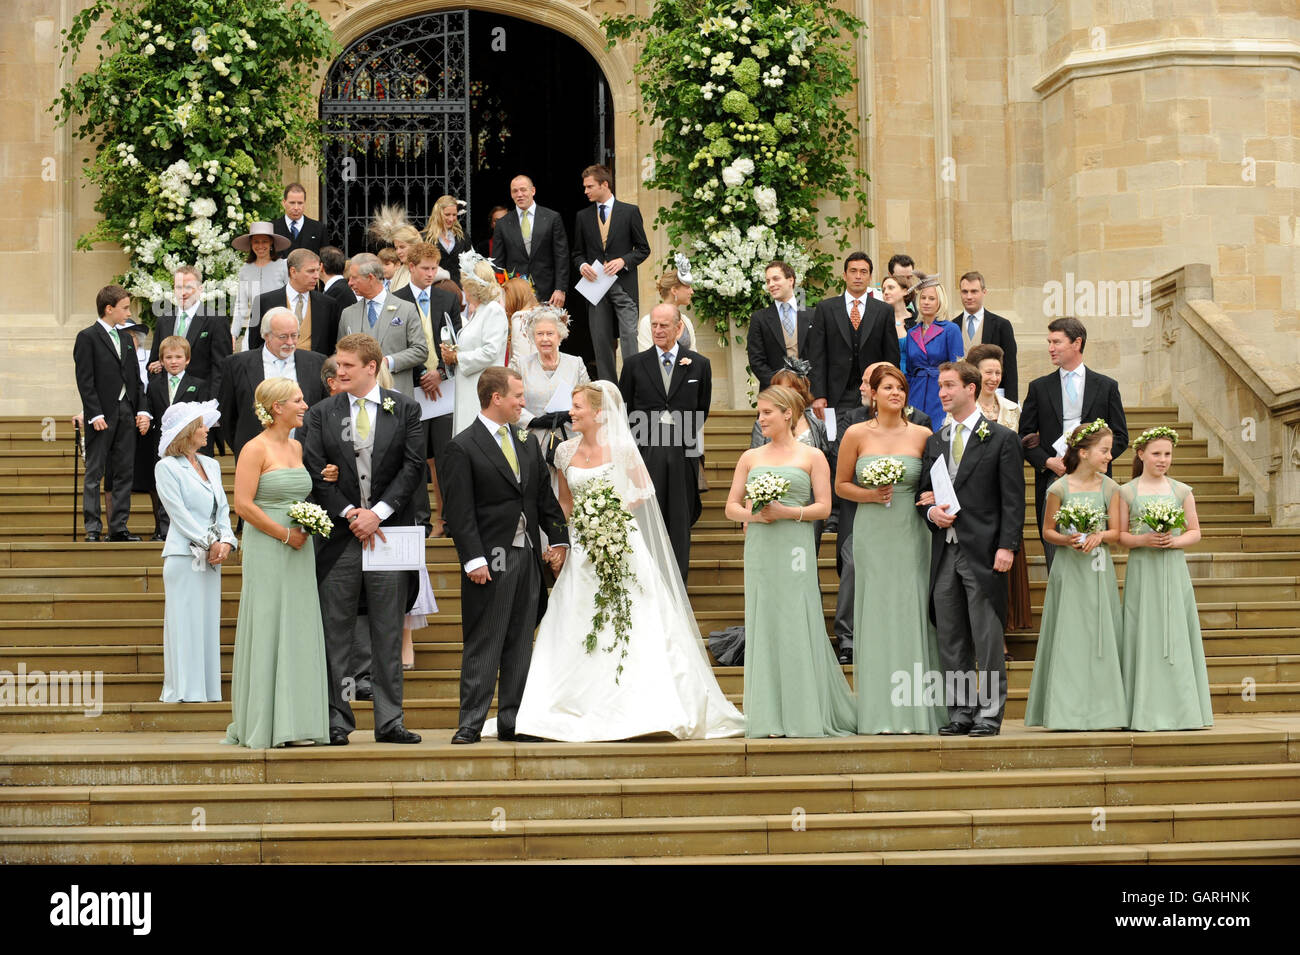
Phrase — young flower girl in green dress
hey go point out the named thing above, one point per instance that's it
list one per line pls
(1163, 660)
(1077, 684)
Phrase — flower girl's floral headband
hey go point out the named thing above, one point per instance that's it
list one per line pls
(1080, 434)
(1152, 434)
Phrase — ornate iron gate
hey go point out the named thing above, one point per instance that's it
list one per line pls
(396, 112)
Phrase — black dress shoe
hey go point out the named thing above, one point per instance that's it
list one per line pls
(338, 737)
(397, 734)
(528, 738)
(985, 729)
(846, 657)
(955, 729)
(466, 736)
(122, 537)
(158, 536)
(365, 693)
(92, 537)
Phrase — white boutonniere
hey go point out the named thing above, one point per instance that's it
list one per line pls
(522, 434)
(391, 308)
(684, 361)
(908, 411)
(982, 431)
(389, 405)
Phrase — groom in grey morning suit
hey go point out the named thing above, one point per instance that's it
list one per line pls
(972, 552)
(375, 439)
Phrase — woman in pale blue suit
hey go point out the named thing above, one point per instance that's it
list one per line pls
(198, 543)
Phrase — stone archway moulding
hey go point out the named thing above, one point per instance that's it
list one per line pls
(352, 19)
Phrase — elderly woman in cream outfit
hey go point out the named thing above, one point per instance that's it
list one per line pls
(482, 339)
(198, 542)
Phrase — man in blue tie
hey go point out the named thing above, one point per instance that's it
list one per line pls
(302, 232)
(393, 322)
(779, 331)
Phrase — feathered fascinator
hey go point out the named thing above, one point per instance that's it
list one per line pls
(922, 280)
(476, 270)
(387, 221)
(683, 265)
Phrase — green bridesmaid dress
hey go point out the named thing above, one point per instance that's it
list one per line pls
(1077, 683)
(794, 686)
(896, 645)
(278, 686)
(1163, 659)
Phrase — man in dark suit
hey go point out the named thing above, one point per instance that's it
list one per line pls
(303, 233)
(317, 312)
(373, 436)
(1059, 402)
(971, 551)
(530, 241)
(113, 407)
(610, 232)
(667, 390)
(846, 511)
(498, 492)
(279, 357)
(779, 331)
(849, 332)
(980, 327)
(207, 332)
(333, 276)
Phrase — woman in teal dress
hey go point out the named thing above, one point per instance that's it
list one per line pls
(793, 684)
(1077, 683)
(897, 675)
(1163, 659)
(199, 540)
(278, 685)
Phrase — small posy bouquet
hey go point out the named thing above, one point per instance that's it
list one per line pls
(1080, 518)
(311, 518)
(1164, 516)
(881, 472)
(601, 524)
(763, 489)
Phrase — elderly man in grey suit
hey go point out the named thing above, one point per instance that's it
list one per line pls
(391, 321)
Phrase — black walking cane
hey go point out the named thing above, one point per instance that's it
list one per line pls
(76, 462)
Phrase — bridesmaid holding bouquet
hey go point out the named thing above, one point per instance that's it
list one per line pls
(1163, 659)
(879, 468)
(793, 684)
(1077, 684)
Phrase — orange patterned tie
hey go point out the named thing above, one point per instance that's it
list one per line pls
(855, 316)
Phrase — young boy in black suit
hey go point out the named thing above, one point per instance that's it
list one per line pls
(165, 390)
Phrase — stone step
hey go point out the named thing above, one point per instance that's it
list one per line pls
(461, 801)
(361, 842)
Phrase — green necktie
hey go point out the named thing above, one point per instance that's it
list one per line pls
(957, 444)
(363, 420)
(508, 449)
(182, 320)
(117, 342)
(173, 381)
(526, 227)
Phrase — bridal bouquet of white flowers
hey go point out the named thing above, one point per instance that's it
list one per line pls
(1163, 516)
(881, 472)
(311, 518)
(1079, 518)
(601, 524)
(762, 489)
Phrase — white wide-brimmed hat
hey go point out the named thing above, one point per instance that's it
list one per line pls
(176, 418)
(245, 242)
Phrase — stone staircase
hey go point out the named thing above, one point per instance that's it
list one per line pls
(144, 781)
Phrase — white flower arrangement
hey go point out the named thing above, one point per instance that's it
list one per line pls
(389, 404)
(765, 487)
(601, 525)
(1079, 519)
(1163, 516)
(882, 472)
(312, 518)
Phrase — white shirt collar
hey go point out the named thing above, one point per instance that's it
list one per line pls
(608, 204)
(373, 395)
(271, 357)
(491, 425)
(978, 316)
(532, 210)
(971, 420)
(331, 280)
(289, 222)
(1077, 371)
(107, 327)
(671, 353)
(849, 299)
(378, 299)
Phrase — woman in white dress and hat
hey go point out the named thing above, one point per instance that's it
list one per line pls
(482, 338)
(265, 271)
(198, 542)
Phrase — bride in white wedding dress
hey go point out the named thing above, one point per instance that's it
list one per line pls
(667, 683)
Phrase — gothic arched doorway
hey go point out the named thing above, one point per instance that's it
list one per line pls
(458, 102)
